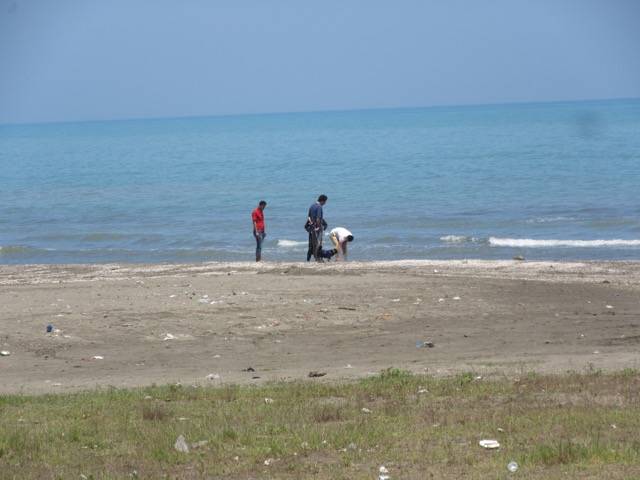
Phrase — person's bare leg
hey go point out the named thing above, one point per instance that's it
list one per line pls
(336, 245)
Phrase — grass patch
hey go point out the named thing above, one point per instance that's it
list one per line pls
(567, 426)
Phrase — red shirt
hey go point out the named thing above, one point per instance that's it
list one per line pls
(258, 217)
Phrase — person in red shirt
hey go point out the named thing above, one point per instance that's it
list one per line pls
(257, 216)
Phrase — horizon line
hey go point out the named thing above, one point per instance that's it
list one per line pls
(298, 112)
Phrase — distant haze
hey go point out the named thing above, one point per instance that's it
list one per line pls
(67, 60)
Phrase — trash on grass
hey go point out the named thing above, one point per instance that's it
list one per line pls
(384, 473)
(365, 410)
(268, 400)
(489, 444)
(213, 376)
(181, 445)
(512, 466)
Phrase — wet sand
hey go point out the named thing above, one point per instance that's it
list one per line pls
(181, 323)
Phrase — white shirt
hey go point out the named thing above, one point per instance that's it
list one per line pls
(341, 233)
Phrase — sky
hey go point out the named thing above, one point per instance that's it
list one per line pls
(75, 60)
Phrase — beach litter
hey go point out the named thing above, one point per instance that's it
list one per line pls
(199, 444)
(456, 298)
(168, 336)
(213, 376)
(98, 357)
(512, 466)
(424, 344)
(5, 353)
(384, 473)
(181, 445)
(49, 328)
(315, 374)
(489, 444)
(519, 258)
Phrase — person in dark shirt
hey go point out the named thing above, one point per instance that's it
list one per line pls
(257, 217)
(315, 226)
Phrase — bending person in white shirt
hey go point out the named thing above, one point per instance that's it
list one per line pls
(340, 237)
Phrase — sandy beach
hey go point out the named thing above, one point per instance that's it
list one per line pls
(131, 325)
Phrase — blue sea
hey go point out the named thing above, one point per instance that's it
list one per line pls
(554, 181)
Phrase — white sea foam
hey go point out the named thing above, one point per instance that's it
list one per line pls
(457, 239)
(290, 243)
(531, 243)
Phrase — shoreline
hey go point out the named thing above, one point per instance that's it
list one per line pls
(625, 271)
(134, 325)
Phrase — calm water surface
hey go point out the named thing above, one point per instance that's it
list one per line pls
(547, 181)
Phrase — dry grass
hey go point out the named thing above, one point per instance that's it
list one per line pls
(568, 426)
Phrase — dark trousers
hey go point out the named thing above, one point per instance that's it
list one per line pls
(315, 242)
(259, 239)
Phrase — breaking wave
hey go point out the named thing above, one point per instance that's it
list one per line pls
(290, 243)
(457, 239)
(531, 243)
